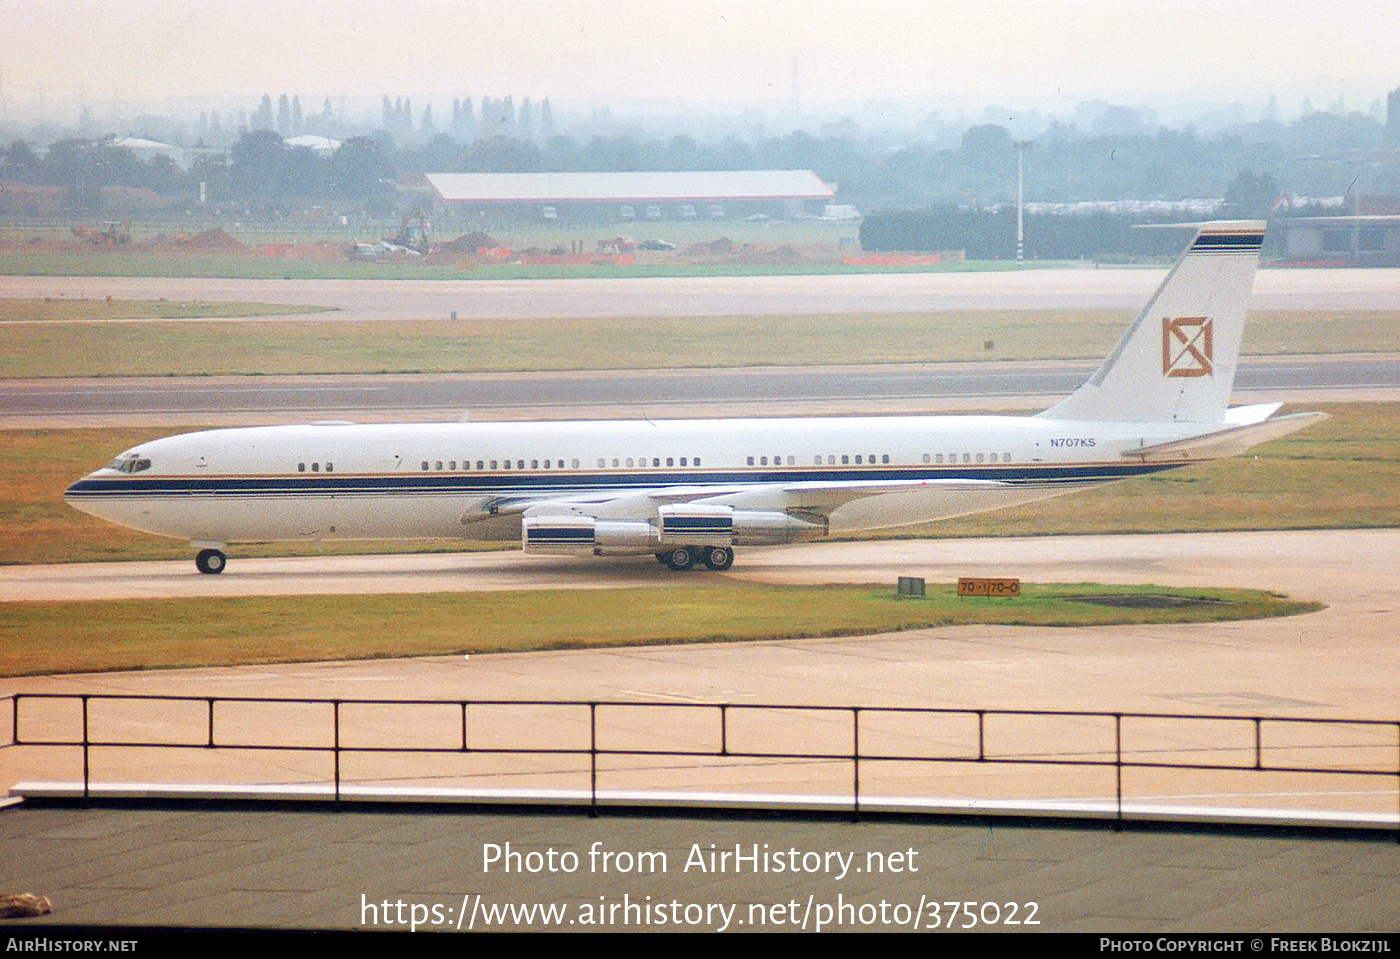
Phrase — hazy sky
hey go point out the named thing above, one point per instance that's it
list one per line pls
(1046, 53)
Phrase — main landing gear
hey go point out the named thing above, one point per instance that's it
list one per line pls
(210, 561)
(718, 558)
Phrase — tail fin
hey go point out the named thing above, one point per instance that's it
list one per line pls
(1176, 363)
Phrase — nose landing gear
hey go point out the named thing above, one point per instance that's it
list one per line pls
(210, 561)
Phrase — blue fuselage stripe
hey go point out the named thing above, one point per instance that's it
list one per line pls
(572, 482)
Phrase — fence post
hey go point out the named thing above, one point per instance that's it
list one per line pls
(335, 705)
(723, 729)
(14, 720)
(593, 760)
(1118, 766)
(464, 726)
(87, 798)
(855, 760)
(981, 736)
(1258, 743)
(210, 744)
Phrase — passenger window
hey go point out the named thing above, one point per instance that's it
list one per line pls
(926, 457)
(994, 457)
(315, 467)
(493, 464)
(1006, 457)
(330, 467)
(697, 461)
(967, 457)
(981, 458)
(763, 461)
(425, 464)
(683, 463)
(670, 461)
(885, 458)
(750, 460)
(301, 467)
(438, 465)
(575, 464)
(845, 459)
(790, 460)
(452, 465)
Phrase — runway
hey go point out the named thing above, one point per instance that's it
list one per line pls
(1058, 288)
(763, 391)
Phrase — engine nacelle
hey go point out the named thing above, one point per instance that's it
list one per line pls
(696, 525)
(573, 534)
(567, 535)
(702, 524)
(767, 527)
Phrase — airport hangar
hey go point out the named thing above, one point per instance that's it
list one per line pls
(594, 199)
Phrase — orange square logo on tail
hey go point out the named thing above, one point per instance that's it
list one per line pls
(1186, 346)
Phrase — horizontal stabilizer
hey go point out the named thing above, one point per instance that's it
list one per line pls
(1226, 442)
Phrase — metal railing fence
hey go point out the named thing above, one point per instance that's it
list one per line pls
(978, 751)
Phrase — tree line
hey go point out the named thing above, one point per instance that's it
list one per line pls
(1319, 155)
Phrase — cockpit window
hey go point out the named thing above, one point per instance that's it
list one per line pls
(130, 464)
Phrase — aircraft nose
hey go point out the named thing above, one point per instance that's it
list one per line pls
(74, 494)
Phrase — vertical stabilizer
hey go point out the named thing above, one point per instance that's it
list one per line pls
(1176, 362)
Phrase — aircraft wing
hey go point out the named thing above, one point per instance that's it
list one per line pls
(820, 501)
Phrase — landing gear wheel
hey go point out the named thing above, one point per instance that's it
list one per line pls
(210, 561)
(680, 559)
(719, 558)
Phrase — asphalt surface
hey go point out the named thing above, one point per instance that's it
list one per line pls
(322, 870)
(586, 395)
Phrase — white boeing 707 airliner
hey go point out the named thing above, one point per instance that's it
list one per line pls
(689, 491)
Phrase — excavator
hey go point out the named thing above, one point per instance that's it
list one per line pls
(411, 240)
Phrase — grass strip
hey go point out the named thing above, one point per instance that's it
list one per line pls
(57, 309)
(265, 347)
(49, 637)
